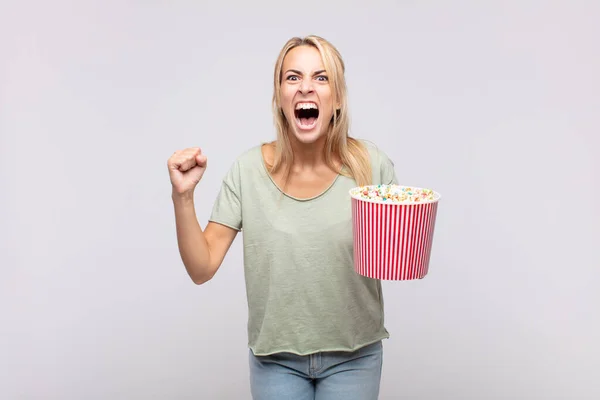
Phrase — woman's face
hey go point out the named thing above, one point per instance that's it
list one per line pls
(306, 97)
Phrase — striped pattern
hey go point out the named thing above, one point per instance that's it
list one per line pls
(392, 241)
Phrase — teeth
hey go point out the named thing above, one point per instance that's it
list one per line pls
(305, 106)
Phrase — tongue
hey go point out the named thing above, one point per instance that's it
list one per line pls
(307, 121)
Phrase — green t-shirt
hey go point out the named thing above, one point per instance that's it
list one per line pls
(303, 293)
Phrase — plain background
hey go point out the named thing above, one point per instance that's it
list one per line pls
(493, 104)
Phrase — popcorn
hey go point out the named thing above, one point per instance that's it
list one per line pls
(393, 228)
(393, 194)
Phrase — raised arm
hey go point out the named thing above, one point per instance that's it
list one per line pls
(202, 251)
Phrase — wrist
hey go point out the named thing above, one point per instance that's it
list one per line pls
(186, 198)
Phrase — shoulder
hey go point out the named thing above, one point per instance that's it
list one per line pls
(246, 161)
(382, 166)
(249, 157)
(379, 158)
(243, 166)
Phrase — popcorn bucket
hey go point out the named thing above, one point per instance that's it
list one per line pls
(393, 226)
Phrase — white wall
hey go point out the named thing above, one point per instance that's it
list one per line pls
(493, 104)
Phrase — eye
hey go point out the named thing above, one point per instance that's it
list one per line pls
(292, 77)
(322, 78)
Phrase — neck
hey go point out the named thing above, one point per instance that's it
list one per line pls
(307, 155)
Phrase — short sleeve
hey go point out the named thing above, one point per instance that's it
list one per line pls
(227, 209)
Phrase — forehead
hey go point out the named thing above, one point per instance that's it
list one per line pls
(303, 58)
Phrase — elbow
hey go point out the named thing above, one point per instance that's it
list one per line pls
(200, 279)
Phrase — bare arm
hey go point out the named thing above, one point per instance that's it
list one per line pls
(202, 252)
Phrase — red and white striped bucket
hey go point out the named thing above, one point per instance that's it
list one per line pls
(393, 239)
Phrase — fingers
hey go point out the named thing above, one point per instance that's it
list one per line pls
(187, 163)
(184, 160)
(201, 160)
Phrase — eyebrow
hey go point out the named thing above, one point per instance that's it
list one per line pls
(300, 73)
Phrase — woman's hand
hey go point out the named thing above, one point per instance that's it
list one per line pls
(186, 168)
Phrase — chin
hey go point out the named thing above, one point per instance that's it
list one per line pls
(308, 135)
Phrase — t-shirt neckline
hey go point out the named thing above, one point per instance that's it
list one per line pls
(266, 170)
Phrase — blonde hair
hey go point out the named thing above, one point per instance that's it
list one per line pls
(351, 152)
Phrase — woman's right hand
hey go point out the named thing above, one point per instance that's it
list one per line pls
(186, 168)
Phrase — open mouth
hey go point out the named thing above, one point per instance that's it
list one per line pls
(306, 115)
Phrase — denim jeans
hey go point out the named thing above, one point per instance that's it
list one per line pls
(321, 376)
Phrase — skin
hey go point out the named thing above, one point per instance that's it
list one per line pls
(304, 79)
(202, 251)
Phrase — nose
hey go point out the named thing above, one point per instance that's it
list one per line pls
(306, 86)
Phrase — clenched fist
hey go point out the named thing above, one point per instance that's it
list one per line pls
(186, 168)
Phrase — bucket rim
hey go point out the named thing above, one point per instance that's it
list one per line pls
(437, 196)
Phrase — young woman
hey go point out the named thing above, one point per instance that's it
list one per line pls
(315, 326)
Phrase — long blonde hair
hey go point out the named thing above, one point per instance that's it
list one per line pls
(351, 152)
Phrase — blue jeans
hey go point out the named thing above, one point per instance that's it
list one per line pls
(321, 376)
